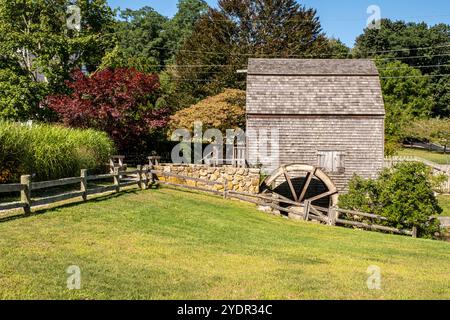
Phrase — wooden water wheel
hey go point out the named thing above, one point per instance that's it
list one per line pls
(303, 184)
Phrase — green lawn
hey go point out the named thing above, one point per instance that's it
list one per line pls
(437, 157)
(169, 244)
(444, 202)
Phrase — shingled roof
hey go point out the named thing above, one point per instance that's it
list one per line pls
(312, 67)
(313, 87)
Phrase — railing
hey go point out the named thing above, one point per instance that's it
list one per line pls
(144, 176)
(389, 161)
(140, 177)
(337, 212)
(304, 211)
(438, 169)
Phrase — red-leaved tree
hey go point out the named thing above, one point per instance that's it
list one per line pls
(119, 101)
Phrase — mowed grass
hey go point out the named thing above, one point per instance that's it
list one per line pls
(444, 202)
(171, 244)
(436, 157)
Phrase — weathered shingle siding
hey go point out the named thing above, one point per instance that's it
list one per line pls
(301, 138)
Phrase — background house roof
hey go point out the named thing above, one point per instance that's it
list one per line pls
(313, 87)
(312, 67)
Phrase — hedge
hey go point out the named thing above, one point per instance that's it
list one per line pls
(50, 151)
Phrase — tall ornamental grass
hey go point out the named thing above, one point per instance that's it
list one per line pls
(50, 152)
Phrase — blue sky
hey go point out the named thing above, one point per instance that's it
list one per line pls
(343, 19)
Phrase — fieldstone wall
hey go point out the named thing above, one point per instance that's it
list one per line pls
(237, 179)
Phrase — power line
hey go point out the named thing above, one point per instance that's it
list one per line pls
(412, 57)
(321, 18)
(407, 49)
(422, 76)
(379, 69)
(262, 55)
(192, 66)
(418, 67)
(393, 77)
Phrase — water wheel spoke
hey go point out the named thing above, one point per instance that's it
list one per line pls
(291, 186)
(301, 180)
(322, 195)
(309, 177)
(283, 197)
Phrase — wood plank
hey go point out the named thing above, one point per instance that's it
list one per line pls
(101, 190)
(323, 195)
(363, 214)
(12, 187)
(57, 198)
(268, 198)
(276, 207)
(317, 212)
(129, 183)
(100, 177)
(373, 227)
(54, 183)
(125, 173)
(11, 205)
(189, 187)
(169, 174)
(243, 198)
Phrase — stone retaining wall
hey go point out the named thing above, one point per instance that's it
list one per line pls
(237, 179)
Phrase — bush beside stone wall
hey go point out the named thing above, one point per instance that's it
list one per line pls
(237, 179)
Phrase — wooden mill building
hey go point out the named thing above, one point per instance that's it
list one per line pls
(329, 114)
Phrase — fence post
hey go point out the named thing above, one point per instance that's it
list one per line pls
(225, 187)
(84, 184)
(148, 177)
(151, 177)
(139, 179)
(25, 194)
(117, 179)
(307, 208)
(414, 232)
(332, 216)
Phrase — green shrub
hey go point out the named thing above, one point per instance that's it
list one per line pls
(50, 152)
(403, 194)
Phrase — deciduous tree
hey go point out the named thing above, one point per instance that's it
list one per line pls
(39, 47)
(407, 96)
(223, 111)
(228, 35)
(120, 102)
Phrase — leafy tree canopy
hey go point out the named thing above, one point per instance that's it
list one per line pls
(407, 95)
(226, 37)
(418, 45)
(223, 111)
(119, 102)
(147, 41)
(38, 50)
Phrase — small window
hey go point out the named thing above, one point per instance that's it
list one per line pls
(331, 161)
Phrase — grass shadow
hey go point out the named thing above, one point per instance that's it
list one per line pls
(71, 203)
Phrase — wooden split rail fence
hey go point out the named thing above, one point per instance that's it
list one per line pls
(140, 178)
(331, 216)
(143, 177)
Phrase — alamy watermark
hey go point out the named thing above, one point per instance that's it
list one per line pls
(257, 147)
(74, 278)
(374, 20)
(73, 21)
(374, 279)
